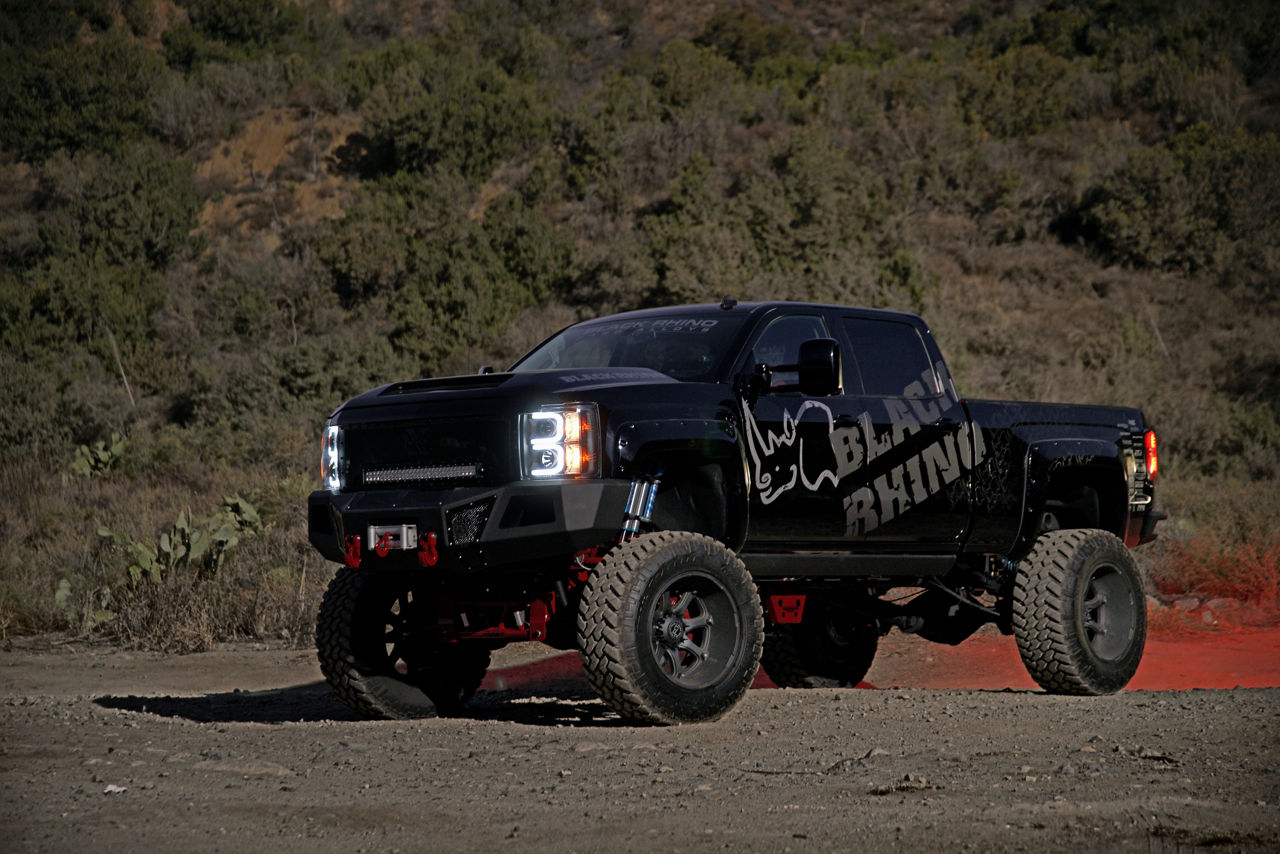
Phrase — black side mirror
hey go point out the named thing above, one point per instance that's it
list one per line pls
(485, 369)
(754, 384)
(819, 367)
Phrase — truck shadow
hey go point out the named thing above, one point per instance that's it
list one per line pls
(548, 705)
(552, 691)
(298, 703)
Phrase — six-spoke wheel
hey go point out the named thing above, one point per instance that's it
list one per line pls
(670, 628)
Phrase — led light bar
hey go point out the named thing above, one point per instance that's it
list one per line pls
(406, 473)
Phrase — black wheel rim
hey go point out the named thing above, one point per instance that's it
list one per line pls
(396, 650)
(1108, 612)
(693, 630)
(834, 642)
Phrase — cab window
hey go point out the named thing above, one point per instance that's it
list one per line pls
(779, 345)
(891, 357)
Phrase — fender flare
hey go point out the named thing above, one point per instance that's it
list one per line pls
(1095, 461)
(644, 445)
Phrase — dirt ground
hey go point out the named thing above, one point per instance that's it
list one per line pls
(243, 749)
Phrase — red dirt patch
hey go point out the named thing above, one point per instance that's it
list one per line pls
(1248, 658)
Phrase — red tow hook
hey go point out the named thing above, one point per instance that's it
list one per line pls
(351, 557)
(428, 554)
(383, 547)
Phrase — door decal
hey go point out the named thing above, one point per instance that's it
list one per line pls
(778, 459)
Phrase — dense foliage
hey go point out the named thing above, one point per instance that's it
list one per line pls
(225, 216)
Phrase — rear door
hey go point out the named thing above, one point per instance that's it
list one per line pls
(906, 451)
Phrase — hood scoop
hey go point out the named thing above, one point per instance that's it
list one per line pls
(445, 384)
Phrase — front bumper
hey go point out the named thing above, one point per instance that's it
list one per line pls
(476, 527)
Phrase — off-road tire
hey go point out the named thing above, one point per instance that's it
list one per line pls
(1079, 612)
(670, 628)
(377, 664)
(819, 652)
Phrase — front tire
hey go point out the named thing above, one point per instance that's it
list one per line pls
(670, 628)
(377, 655)
(1079, 612)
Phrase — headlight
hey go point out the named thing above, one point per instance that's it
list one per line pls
(331, 457)
(560, 442)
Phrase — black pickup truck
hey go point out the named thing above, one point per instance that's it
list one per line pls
(682, 494)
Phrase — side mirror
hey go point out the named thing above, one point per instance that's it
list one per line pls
(485, 369)
(754, 384)
(819, 367)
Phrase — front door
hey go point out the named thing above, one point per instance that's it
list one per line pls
(796, 496)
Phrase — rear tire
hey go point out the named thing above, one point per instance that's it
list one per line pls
(376, 653)
(1079, 612)
(820, 652)
(670, 628)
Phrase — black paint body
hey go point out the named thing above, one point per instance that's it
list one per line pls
(890, 477)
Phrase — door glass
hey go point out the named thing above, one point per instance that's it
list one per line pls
(890, 357)
(779, 346)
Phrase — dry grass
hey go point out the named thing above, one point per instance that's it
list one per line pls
(269, 585)
(1249, 572)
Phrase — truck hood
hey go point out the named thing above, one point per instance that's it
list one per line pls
(507, 385)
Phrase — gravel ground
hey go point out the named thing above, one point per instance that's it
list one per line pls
(243, 749)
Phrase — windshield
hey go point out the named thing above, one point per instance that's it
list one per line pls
(683, 348)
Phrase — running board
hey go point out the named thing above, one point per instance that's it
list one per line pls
(847, 565)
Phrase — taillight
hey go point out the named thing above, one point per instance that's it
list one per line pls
(1153, 458)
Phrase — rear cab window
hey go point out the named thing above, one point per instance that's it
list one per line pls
(888, 358)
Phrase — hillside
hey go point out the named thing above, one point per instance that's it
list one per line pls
(223, 217)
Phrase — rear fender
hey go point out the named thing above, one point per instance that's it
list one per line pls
(1084, 476)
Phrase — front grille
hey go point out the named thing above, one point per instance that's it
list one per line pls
(466, 523)
(442, 452)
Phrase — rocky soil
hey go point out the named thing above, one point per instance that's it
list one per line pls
(242, 749)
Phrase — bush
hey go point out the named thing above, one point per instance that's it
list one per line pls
(137, 207)
(437, 105)
(748, 40)
(255, 23)
(1027, 90)
(93, 96)
(1249, 572)
(1200, 202)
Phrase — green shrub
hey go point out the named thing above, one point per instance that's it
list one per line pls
(38, 26)
(1027, 90)
(136, 207)
(1195, 203)
(255, 23)
(438, 105)
(747, 40)
(686, 75)
(91, 96)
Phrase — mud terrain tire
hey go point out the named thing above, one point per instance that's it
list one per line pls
(1079, 612)
(374, 660)
(820, 652)
(670, 628)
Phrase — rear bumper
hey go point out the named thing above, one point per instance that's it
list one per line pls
(1149, 521)
(475, 528)
(1142, 525)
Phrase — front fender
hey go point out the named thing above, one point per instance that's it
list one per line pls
(675, 449)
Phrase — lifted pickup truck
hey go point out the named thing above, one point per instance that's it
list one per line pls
(684, 493)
